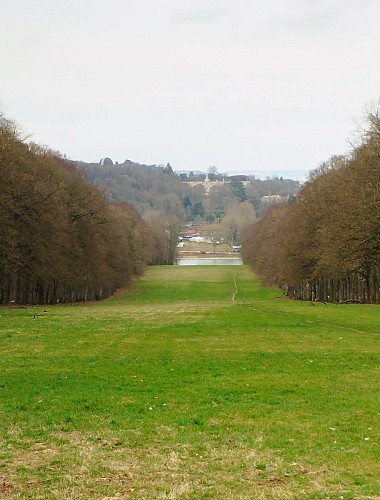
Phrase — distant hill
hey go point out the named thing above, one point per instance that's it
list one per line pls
(156, 190)
(149, 188)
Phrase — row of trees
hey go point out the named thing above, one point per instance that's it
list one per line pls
(326, 245)
(60, 240)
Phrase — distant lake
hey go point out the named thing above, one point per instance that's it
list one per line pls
(212, 261)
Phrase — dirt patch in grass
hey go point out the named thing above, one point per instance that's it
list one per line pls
(74, 465)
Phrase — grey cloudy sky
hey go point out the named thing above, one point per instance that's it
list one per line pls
(271, 86)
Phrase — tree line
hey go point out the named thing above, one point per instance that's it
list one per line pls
(60, 240)
(325, 246)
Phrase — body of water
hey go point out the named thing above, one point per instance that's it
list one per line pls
(212, 261)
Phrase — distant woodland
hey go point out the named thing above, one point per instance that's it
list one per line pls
(325, 246)
(157, 191)
(232, 203)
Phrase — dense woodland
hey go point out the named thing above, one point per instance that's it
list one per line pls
(325, 246)
(60, 240)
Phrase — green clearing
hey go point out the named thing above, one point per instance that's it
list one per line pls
(175, 391)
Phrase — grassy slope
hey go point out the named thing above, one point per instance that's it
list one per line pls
(175, 391)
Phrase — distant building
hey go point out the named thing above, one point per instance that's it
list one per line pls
(106, 162)
(273, 198)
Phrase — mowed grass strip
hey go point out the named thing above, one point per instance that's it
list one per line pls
(174, 390)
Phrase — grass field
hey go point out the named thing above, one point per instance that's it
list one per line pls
(174, 390)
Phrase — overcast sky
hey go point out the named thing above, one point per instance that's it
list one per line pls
(272, 86)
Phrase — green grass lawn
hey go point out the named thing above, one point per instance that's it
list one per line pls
(174, 390)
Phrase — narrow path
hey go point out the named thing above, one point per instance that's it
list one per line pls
(236, 287)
